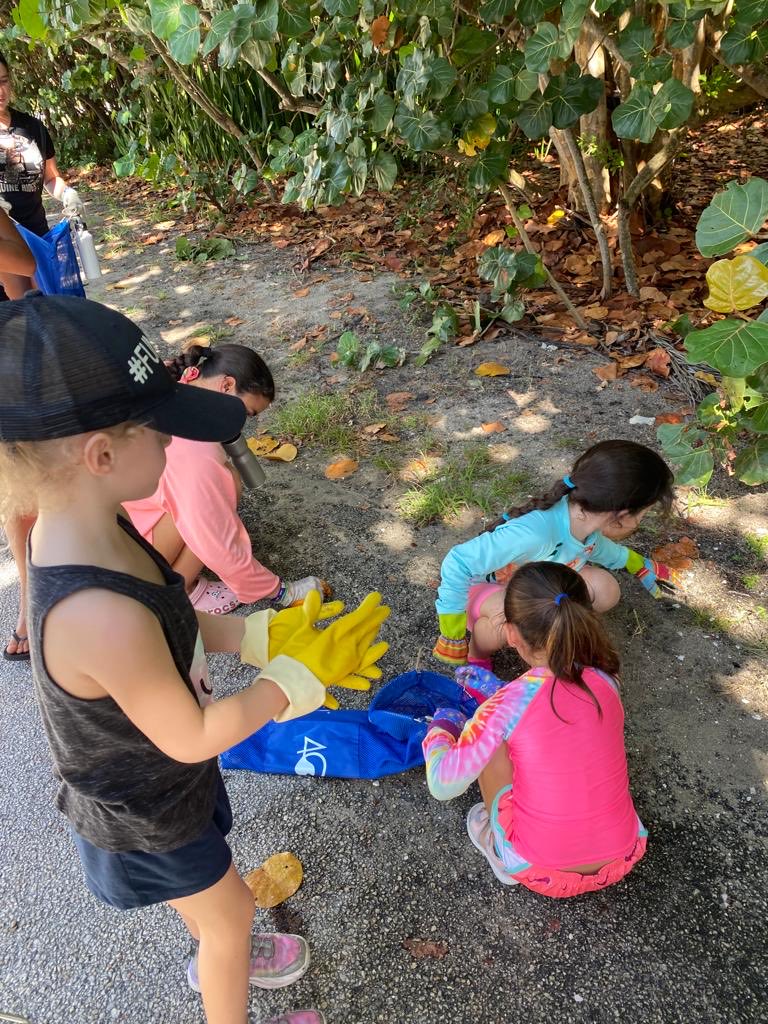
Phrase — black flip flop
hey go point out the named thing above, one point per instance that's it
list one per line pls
(19, 655)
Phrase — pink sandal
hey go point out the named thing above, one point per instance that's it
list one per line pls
(213, 596)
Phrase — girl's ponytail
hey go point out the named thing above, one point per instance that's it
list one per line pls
(193, 355)
(550, 605)
(545, 501)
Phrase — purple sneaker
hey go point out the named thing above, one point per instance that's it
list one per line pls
(297, 1017)
(277, 960)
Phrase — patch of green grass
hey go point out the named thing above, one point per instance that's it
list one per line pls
(212, 334)
(467, 479)
(757, 544)
(326, 421)
(751, 581)
(569, 444)
(414, 421)
(705, 619)
(368, 405)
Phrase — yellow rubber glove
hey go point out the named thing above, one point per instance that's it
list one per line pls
(266, 632)
(343, 654)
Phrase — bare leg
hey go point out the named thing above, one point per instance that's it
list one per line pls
(495, 776)
(168, 541)
(223, 917)
(603, 588)
(15, 286)
(17, 530)
(487, 632)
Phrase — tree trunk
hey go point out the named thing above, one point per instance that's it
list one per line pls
(591, 58)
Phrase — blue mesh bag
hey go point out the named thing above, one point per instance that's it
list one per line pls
(57, 272)
(384, 740)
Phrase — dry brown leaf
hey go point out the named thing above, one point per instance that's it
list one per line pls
(262, 445)
(658, 361)
(374, 428)
(387, 437)
(608, 371)
(379, 31)
(630, 362)
(668, 417)
(285, 453)
(652, 294)
(494, 237)
(297, 346)
(281, 243)
(334, 315)
(422, 949)
(278, 878)
(419, 469)
(341, 469)
(234, 321)
(677, 554)
(595, 312)
(492, 370)
(301, 293)
(643, 382)
(397, 400)
(493, 428)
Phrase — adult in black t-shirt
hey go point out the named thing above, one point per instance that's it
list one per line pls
(28, 163)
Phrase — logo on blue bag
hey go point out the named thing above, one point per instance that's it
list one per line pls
(310, 753)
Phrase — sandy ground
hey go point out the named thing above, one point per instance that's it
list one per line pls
(680, 940)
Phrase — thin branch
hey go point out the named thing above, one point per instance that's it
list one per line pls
(589, 200)
(757, 83)
(287, 102)
(509, 201)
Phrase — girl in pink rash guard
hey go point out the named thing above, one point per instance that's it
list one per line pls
(192, 519)
(547, 749)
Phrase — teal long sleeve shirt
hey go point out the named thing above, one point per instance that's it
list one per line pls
(535, 537)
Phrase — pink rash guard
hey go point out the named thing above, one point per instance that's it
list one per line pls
(197, 490)
(570, 802)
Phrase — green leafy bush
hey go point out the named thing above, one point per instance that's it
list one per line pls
(730, 427)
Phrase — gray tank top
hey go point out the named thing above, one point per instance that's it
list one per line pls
(118, 790)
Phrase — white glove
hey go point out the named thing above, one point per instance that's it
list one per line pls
(5, 205)
(294, 593)
(73, 204)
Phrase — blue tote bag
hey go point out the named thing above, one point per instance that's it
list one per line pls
(57, 272)
(384, 740)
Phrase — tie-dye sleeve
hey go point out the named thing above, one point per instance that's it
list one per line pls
(454, 764)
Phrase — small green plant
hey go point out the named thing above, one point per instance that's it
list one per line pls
(751, 581)
(204, 250)
(444, 324)
(611, 159)
(509, 274)
(757, 544)
(353, 354)
(730, 426)
(467, 479)
(326, 421)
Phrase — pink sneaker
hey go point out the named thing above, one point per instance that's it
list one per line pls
(277, 960)
(213, 596)
(297, 1017)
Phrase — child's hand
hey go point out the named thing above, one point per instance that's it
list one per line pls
(478, 682)
(452, 646)
(343, 654)
(657, 578)
(267, 632)
(450, 720)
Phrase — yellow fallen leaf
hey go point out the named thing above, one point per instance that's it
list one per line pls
(492, 370)
(278, 878)
(493, 428)
(285, 453)
(301, 293)
(555, 216)
(262, 445)
(341, 469)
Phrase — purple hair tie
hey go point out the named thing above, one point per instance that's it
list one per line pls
(559, 598)
(569, 483)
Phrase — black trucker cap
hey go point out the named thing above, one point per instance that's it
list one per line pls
(69, 365)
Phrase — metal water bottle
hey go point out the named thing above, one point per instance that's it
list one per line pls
(86, 248)
(245, 462)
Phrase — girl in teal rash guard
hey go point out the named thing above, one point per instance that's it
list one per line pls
(578, 523)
